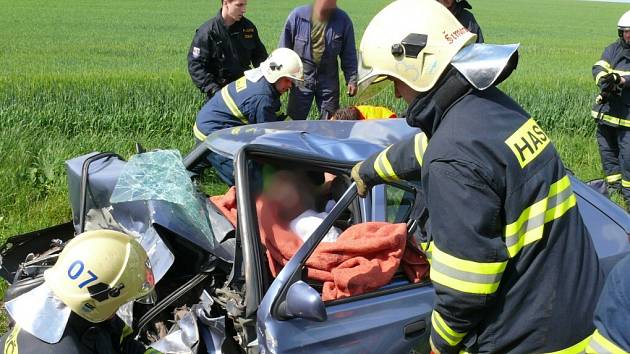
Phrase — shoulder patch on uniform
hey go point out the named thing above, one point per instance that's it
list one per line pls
(528, 142)
(241, 84)
(196, 52)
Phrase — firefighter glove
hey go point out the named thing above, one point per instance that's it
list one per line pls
(362, 187)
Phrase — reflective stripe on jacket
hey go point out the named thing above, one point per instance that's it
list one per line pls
(615, 59)
(507, 244)
(239, 103)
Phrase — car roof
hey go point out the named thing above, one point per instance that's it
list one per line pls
(338, 141)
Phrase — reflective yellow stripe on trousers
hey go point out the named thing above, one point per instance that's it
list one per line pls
(610, 119)
(600, 344)
(229, 102)
(613, 178)
(530, 225)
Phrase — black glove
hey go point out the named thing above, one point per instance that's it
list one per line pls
(609, 82)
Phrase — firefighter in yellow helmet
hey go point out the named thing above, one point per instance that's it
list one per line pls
(512, 263)
(73, 311)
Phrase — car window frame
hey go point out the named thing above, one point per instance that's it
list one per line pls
(253, 152)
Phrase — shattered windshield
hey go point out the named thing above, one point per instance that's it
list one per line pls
(161, 176)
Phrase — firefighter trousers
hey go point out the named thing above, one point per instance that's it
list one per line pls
(614, 149)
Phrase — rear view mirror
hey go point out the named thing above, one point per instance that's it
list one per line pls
(304, 302)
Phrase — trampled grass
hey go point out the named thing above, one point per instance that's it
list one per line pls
(78, 76)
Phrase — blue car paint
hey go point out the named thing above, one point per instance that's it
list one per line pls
(373, 325)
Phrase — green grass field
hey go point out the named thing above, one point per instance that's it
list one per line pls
(78, 76)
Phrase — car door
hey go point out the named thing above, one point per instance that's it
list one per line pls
(394, 319)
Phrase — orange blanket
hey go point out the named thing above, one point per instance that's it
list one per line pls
(364, 258)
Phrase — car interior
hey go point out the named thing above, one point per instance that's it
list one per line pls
(301, 188)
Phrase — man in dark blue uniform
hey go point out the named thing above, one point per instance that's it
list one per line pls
(612, 110)
(460, 8)
(320, 33)
(506, 241)
(224, 48)
(254, 98)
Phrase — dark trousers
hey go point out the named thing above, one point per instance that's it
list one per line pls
(223, 166)
(614, 149)
(301, 100)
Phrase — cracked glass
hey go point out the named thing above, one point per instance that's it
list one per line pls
(161, 176)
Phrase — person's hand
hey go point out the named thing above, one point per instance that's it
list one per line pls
(362, 187)
(352, 90)
(622, 81)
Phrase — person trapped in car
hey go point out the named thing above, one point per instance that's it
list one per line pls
(74, 310)
(254, 98)
(506, 241)
(223, 48)
(320, 33)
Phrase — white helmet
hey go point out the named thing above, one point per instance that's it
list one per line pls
(413, 41)
(624, 23)
(283, 62)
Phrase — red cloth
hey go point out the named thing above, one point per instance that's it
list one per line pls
(364, 258)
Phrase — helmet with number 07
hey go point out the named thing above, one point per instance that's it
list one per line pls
(98, 271)
(413, 41)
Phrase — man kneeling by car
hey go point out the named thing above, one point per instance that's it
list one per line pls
(248, 100)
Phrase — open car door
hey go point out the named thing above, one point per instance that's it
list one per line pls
(293, 318)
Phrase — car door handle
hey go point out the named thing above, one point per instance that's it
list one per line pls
(415, 329)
